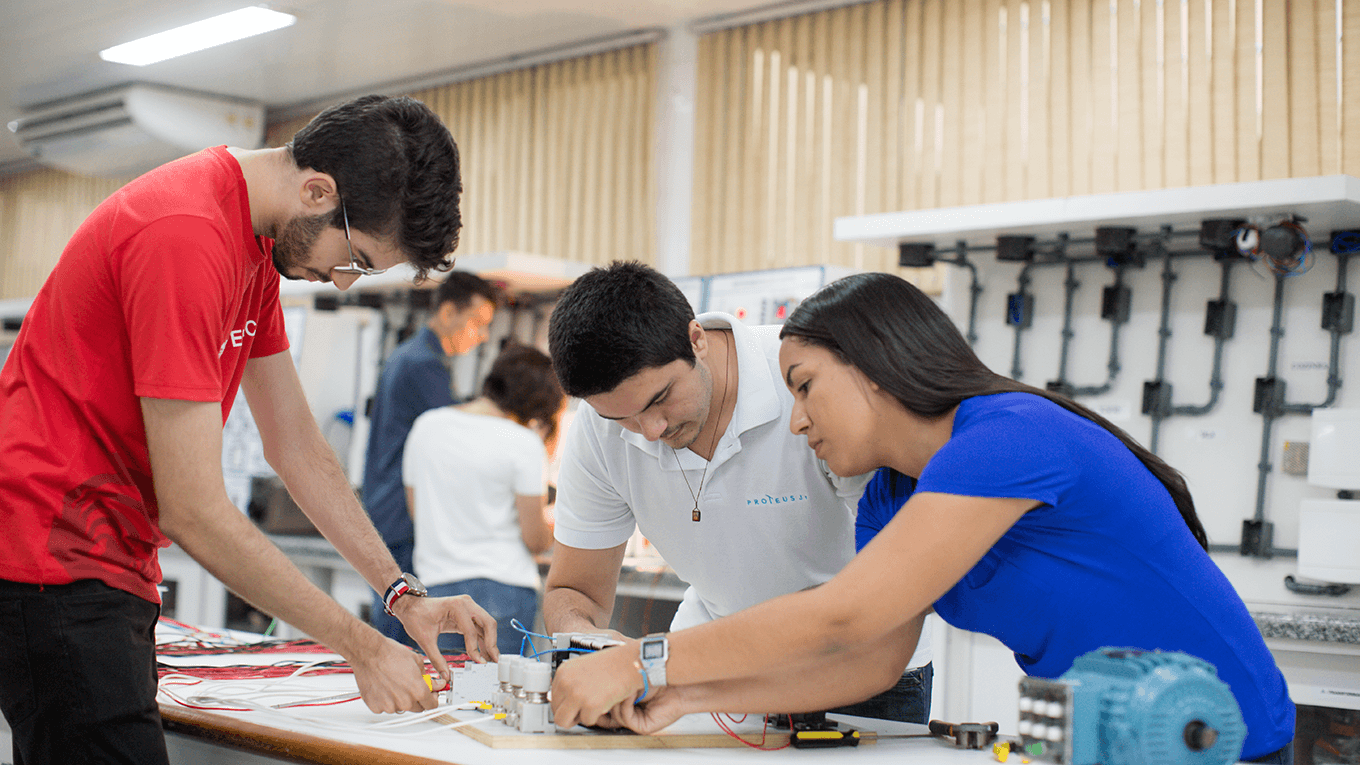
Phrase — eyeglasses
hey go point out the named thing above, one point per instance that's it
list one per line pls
(353, 269)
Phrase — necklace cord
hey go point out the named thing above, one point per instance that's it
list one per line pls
(713, 443)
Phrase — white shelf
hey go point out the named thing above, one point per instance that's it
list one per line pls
(1329, 203)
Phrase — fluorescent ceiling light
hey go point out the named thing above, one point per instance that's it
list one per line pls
(229, 27)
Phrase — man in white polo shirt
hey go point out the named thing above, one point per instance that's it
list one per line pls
(684, 433)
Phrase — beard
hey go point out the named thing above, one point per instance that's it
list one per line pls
(293, 246)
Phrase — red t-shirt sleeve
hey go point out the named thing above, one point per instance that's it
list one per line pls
(271, 338)
(178, 288)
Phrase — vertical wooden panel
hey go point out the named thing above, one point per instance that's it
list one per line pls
(1060, 98)
(1329, 127)
(1126, 37)
(1274, 108)
(785, 136)
(1249, 64)
(1039, 169)
(1225, 84)
(1013, 66)
(1350, 88)
(704, 199)
(875, 76)
(1305, 89)
(1199, 97)
(994, 146)
(1176, 55)
(1082, 104)
(1104, 103)
(1152, 83)
(927, 174)
(973, 112)
(840, 199)
(913, 117)
(737, 207)
(893, 106)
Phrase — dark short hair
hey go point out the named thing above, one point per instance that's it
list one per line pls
(615, 321)
(521, 384)
(460, 287)
(396, 168)
(901, 340)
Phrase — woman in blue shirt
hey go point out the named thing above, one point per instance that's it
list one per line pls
(1032, 519)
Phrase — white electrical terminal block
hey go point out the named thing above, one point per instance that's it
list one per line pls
(512, 704)
(501, 698)
(535, 714)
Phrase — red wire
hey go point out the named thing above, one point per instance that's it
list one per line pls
(764, 729)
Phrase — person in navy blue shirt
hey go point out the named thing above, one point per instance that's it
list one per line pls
(416, 379)
(1032, 519)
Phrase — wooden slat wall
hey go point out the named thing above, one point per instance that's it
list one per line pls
(912, 104)
(39, 210)
(556, 158)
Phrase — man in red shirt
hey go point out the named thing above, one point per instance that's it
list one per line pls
(112, 400)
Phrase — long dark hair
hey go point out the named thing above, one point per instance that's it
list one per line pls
(901, 340)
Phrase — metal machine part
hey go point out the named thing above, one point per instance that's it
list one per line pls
(1125, 706)
(535, 714)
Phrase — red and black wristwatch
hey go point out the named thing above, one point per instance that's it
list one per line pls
(408, 584)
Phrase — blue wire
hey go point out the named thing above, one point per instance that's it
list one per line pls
(645, 687)
(519, 627)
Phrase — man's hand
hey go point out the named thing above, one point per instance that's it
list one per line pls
(391, 678)
(659, 710)
(587, 687)
(425, 619)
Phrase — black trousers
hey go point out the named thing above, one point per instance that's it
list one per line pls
(78, 674)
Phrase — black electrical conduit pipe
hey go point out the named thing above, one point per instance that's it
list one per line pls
(1157, 393)
(974, 287)
(1257, 534)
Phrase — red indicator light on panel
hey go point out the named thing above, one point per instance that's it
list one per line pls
(740, 313)
(782, 312)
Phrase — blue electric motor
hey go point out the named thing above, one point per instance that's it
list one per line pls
(1125, 706)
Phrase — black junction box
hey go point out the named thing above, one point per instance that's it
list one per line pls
(1157, 398)
(1015, 248)
(1220, 319)
(1115, 300)
(1338, 312)
(915, 254)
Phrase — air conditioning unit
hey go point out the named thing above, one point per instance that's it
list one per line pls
(131, 129)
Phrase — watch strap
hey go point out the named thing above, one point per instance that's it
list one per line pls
(394, 591)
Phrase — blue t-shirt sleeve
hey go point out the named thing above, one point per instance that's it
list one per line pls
(882, 498)
(1001, 453)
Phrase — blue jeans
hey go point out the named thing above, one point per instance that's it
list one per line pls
(388, 625)
(503, 601)
(78, 674)
(1283, 756)
(908, 701)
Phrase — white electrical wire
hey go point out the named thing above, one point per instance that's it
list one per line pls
(253, 696)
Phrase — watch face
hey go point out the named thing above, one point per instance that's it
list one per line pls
(653, 649)
(416, 587)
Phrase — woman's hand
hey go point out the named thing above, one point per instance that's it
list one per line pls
(587, 687)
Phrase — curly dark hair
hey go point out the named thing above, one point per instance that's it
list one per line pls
(521, 383)
(396, 167)
(613, 322)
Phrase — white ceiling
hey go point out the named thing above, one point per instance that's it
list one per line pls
(49, 49)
